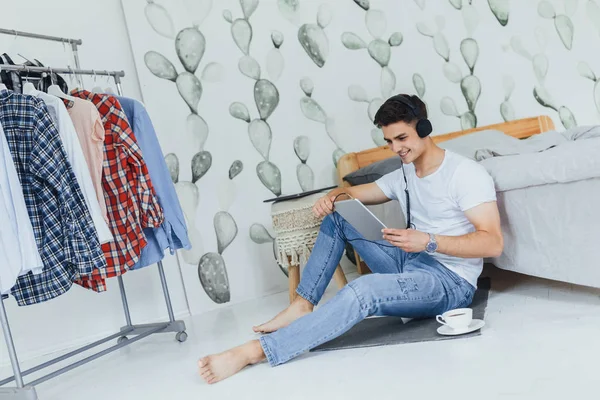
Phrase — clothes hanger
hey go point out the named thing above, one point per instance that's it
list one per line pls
(108, 90)
(78, 80)
(55, 90)
(97, 88)
(28, 87)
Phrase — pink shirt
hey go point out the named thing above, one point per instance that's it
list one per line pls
(90, 131)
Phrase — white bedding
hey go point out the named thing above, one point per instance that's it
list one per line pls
(550, 157)
(568, 162)
(552, 231)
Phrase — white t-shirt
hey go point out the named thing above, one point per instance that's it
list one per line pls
(438, 202)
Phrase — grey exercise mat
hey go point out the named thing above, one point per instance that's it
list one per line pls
(390, 330)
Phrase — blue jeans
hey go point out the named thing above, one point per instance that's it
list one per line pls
(410, 285)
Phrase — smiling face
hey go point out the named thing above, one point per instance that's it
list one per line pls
(397, 117)
(403, 140)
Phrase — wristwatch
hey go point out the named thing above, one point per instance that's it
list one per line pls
(432, 245)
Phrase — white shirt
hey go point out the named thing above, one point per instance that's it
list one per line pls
(71, 143)
(438, 202)
(19, 253)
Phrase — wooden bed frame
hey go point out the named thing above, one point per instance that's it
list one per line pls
(520, 128)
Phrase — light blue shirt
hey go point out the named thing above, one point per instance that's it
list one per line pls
(173, 232)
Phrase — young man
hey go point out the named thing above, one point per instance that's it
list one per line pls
(418, 272)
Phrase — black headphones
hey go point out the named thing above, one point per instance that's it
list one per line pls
(424, 127)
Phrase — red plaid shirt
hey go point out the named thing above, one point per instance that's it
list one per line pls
(131, 201)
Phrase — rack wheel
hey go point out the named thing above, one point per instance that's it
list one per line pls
(122, 339)
(181, 337)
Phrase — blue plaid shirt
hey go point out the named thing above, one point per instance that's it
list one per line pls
(62, 225)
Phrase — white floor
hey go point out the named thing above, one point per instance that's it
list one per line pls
(541, 341)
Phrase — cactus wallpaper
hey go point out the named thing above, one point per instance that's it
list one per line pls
(254, 99)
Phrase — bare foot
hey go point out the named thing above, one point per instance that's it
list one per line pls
(216, 367)
(297, 309)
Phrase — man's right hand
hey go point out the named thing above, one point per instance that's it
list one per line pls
(368, 194)
(324, 206)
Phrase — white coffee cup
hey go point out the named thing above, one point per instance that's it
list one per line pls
(459, 318)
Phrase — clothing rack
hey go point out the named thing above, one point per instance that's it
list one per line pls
(24, 391)
(73, 42)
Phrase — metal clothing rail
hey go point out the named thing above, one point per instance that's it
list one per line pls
(26, 391)
(39, 36)
(117, 75)
(73, 42)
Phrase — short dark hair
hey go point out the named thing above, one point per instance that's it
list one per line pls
(394, 110)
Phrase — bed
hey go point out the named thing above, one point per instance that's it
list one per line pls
(550, 221)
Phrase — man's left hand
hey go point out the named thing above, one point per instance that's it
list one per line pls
(409, 240)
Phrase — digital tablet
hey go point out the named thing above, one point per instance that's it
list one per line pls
(361, 218)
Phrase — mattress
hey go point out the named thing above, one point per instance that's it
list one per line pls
(552, 231)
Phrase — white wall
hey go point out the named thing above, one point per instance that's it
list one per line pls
(250, 267)
(79, 316)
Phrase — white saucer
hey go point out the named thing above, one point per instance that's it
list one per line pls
(447, 331)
